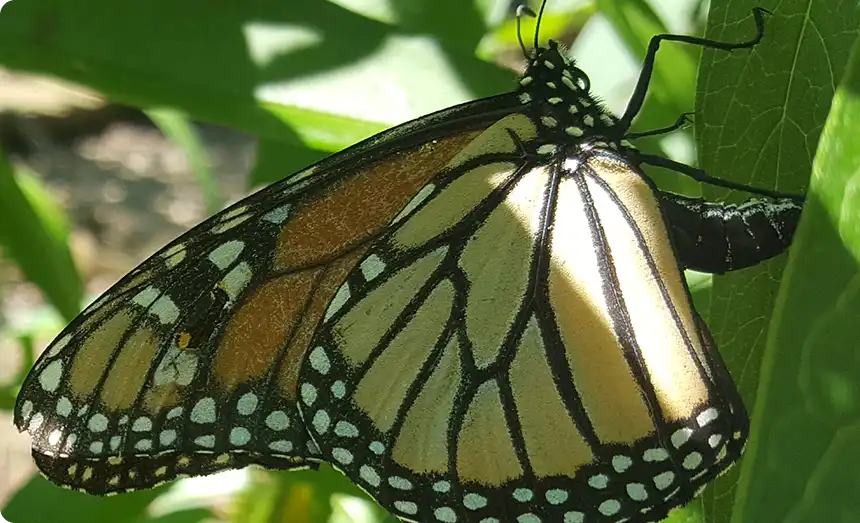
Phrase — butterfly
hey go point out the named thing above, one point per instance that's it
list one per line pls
(477, 316)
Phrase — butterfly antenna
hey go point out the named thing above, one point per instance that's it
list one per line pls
(523, 10)
(537, 27)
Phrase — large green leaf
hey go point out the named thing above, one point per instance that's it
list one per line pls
(42, 502)
(802, 466)
(759, 118)
(257, 66)
(34, 234)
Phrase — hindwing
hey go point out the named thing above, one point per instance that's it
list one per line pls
(532, 350)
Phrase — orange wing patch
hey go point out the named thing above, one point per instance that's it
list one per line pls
(361, 206)
(261, 326)
(328, 284)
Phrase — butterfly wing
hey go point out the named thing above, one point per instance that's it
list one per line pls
(189, 364)
(533, 354)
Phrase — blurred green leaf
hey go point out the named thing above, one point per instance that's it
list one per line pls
(803, 465)
(553, 25)
(260, 67)
(176, 126)
(43, 502)
(672, 86)
(758, 121)
(303, 496)
(183, 516)
(34, 234)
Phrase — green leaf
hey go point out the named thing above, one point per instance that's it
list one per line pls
(34, 234)
(759, 115)
(803, 464)
(42, 502)
(259, 67)
(302, 496)
(176, 126)
(276, 160)
(672, 85)
(194, 515)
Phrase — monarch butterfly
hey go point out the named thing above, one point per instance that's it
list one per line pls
(477, 316)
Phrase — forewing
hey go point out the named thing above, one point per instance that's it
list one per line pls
(188, 365)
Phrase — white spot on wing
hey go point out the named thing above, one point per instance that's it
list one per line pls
(278, 420)
(621, 463)
(232, 213)
(342, 455)
(234, 282)
(345, 429)
(338, 389)
(407, 507)
(54, 437)
(664, 480)
(98, 423)
(281, 446)
(177, 366)
(369, 475)
(277, 215)
(204, 411)
(319, 360)
(707, 416)
(556, 496)
(142, 424)
(226, 225)
(681, 436)
(247, 404)
(609, 507)
(165, 309)
(445, 515)
(51, 375)
(207, 441)
(239, 436)
(523, 495)
(167, 437)
(547, 149)
(64, 406)
(308, 393)
(225, 254)
(568, 83)
(59, 345)
(143, 445)
(35, 422)
(145, 297)
(321, 421)
(548, 121)
(474, 501)
(442, 486)
(301, 175)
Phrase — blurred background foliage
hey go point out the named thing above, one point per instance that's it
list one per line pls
(90, 186)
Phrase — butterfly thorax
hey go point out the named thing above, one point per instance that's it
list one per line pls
(557, 94)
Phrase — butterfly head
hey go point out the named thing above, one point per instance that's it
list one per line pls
(559, 92)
